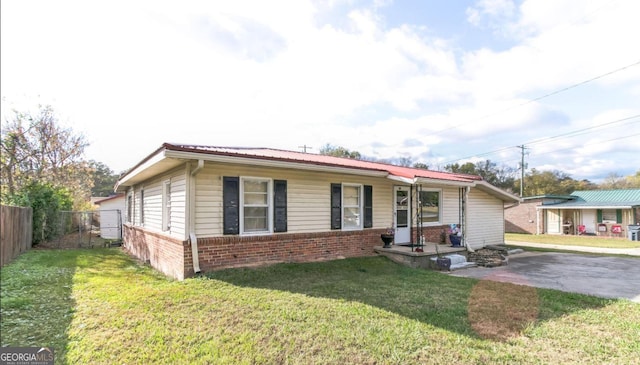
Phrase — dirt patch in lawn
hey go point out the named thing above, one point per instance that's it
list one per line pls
(499, 311)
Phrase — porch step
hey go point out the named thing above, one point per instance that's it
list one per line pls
(457, 262)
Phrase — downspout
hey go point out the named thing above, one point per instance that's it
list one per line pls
(192, 211)
(464, 218)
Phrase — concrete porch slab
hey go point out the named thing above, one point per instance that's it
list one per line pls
(419, 260)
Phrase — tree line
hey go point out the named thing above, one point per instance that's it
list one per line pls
(508, 178)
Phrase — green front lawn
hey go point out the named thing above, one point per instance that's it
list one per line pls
(101, 307)
(571, 240)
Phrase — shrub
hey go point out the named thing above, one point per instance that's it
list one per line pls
(47, 201)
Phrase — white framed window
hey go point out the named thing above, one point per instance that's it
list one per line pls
(256, 213)
(430, 203)
(351, 206)
(166, 205)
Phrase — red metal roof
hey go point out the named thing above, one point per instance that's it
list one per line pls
(310, 158)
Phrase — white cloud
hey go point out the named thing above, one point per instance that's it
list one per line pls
(264, 73)
(490, 13)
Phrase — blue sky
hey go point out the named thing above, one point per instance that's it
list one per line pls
(434, 81)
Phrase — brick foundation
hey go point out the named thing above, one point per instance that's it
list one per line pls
(173, 257)
(165, 254)
(432, 234)
(216, 253)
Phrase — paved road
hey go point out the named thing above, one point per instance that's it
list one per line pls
(603, 276)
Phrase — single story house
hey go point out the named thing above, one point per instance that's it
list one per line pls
(201, 208)
(595, 212)
(525, 217)
(110, 214)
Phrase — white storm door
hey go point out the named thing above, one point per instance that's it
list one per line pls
(402, 214)
(589, 220)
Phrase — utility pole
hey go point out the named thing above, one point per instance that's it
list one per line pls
(304, 148)
(522, 148)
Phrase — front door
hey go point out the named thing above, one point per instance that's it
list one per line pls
(589, 218)
(553, 221)
(402, 214)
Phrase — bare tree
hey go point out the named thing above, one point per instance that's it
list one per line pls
(36, 147)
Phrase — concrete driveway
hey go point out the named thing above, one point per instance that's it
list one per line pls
(602, 276)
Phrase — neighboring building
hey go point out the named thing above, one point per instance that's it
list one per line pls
(200, 208)
(594, 212)
(111, 210)
(526, 217)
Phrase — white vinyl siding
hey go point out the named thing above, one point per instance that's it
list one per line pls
(153, 204)
(178, 203)
(308, 197)
(136, 207)
(166, 205)
(485, 220)
(129, 207)
(450, 206)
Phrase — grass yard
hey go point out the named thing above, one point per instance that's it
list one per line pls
(571, 240)
(99, 306)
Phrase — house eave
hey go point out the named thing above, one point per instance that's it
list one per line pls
(155, 163)
(578, 207)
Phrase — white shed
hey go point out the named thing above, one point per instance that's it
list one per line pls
(111, 210)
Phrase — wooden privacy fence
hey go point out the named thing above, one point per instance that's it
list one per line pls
(16, 230)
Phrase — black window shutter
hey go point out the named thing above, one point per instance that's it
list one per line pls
(231, 205)
(368, 206)
(336, 206)
(280, 205)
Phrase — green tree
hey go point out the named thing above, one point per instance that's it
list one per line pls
(104, 179)
(466, 168)
(36, 148)
(421, 165)
(338, 151)
(633, 181)
(47, 201)
(545, 182)
(499, 176)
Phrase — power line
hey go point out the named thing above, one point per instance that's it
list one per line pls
(595, 142)
(540, 97)
(548, 139)
(582, 131)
